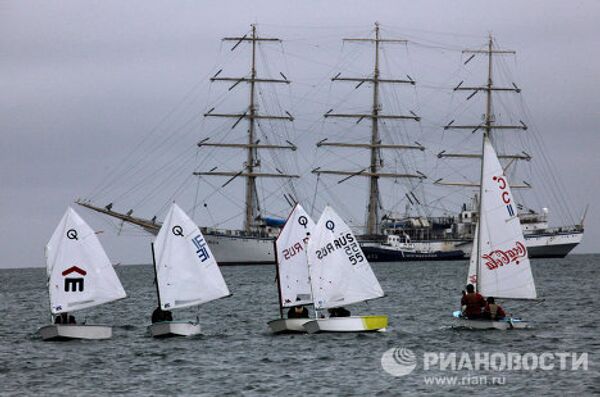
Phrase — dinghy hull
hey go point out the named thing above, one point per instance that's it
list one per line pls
(166, 329)
(288, 325)
(504, 324)
(73, 331)
(347, 324)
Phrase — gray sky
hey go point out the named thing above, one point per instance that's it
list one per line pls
(83, 82)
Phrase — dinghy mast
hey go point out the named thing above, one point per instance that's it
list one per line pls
(277, 276)
(251, 114)
(375, 145)
(155, 273)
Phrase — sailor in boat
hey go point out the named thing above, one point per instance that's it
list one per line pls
(493, 311)
(339, 312)
(159, 315)
(65, 318)
(472, 303)
(298, 312)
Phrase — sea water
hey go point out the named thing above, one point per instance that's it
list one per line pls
(236, 354)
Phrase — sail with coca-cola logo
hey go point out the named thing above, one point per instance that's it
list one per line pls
(499, 251)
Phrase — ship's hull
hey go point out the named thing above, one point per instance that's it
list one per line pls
(552, 246)
(238, 250)
(555, 245)
(378, 253)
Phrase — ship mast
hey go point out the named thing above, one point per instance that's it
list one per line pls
(489, 120)
(252, 146)
(373, 171)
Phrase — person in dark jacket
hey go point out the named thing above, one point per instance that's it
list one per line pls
(339, 312)
(297, 312)
(473, 301)
(64, 318)
(159, 315)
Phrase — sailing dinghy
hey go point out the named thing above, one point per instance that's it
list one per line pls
(340, 275)
(186, 272)
(293, 283)
(499, 266)
(80, 276)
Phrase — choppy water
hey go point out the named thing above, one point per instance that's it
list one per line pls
(237, 355)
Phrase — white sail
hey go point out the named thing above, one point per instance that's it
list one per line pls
(292, 260)
(80, 274)
(186, 269)
(339, 271)
(472, 275)
(504, 268)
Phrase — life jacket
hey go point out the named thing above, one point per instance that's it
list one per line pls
(495, 311)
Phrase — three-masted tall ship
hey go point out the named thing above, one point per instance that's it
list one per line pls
(386, 237)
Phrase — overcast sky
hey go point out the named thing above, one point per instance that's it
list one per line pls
(82, 82)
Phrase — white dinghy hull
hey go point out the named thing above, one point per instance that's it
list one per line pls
(73, 331)
(504, 324)
(288, 325)
(347, 324)
(165, 329)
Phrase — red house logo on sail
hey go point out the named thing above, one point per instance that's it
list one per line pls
(74, 284)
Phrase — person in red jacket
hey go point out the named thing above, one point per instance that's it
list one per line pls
(473, 302)
(493, 311)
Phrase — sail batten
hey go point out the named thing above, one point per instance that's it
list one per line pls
(186, 270)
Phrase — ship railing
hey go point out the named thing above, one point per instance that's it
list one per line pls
(558, 230)
(236, 233)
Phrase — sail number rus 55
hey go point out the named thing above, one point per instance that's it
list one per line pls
(348, 243)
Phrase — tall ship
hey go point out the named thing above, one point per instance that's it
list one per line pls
(376, 145)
